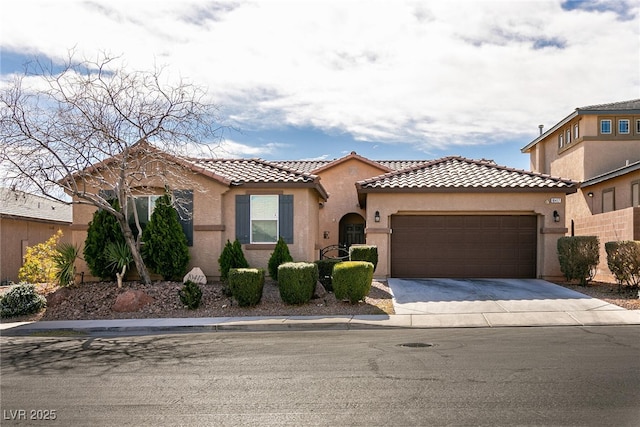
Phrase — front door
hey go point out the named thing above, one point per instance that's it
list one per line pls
(354, 234)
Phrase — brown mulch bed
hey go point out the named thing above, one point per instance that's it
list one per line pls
(95, 301)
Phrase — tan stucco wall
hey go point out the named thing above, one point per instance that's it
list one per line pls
(339, 181)
(305, 226)
(473, 204)
(613, 226)
(16, 234)
(588, 156)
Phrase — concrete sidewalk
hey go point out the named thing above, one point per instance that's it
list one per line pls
(461, 320)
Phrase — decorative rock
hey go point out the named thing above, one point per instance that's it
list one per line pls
(196, 275)
(130, 301)
(320, 291)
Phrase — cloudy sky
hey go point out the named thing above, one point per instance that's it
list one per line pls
(387, 79)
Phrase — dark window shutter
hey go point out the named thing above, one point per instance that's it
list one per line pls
(286, 217)
(184, 206)
(243, 218)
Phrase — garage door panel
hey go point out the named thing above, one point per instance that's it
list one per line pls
(463, 246)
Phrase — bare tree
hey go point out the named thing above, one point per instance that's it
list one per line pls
(92, 126)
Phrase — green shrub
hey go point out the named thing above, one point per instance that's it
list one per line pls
(297, 281)
(623, 259)
(39, 266)
(367, 253)
(352, 280)
(64, 260)
(231, 257)
(103, 230)
(325, 270)
(246, 285)
(165, 249)
(190, 295)
(578, 257)
(279, 256)
(21, 299)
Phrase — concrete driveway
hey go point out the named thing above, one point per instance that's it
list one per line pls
(464, 296)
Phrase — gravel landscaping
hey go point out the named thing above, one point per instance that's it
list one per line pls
(96, 301)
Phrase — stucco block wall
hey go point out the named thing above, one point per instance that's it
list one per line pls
(16, 234)
(613, 226)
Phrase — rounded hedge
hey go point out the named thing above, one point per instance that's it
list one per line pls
(246, 285)
(21, 299)
(297, 281)
(352, 280)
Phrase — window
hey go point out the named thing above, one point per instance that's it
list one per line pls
(623, 126)
(635, 193)
(182, 203)
(638, 126)
(264, 218)
(568, 136)
(608, 200)
(576, 132)
(561, 140)
(144, 206)
(605, 126)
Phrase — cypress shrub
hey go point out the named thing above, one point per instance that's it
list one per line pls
(103, 229)
(21, 299)
(325, 270)
(231, 257)
(578, 257)
(623, 259)
(367, 253)
(297, 281)
(352, 280)
(165, 249)
(280, 255)
(245, 285)
(190, 295)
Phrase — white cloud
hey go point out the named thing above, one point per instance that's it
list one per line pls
(418, 72)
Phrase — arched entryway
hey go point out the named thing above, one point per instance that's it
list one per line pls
(352, 229)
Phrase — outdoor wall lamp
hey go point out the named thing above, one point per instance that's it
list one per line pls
(590, 194)
(376, 216)
(556, 216)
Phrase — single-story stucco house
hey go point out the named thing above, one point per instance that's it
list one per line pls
(451, 217)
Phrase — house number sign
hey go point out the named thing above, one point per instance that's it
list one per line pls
(556, 200)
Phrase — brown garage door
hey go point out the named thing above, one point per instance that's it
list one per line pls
(490, 246)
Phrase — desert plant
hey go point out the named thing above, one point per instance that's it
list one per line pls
(119, 258)
(103, 229)
(352, 280)
(578, 257)
(297, 281)
(21, 299)
(246, 284)
(325, 270)
(39, 266)
(623, 259)
(190, 295)
(367, 253)
(64, 260)
(280, 255)
(231, 257)
(165, 249)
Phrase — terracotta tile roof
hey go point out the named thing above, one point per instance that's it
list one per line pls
(242, 171)
(461, 174)
(29, 206)
(310, 166)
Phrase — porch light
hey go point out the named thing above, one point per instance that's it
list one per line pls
(376, 216)
(556, 216)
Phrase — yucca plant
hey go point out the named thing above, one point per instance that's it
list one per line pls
(64, 259)
(119, 258)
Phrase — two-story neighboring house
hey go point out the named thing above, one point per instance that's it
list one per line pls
(599, 147)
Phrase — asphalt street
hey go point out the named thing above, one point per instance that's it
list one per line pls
(507, 376)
